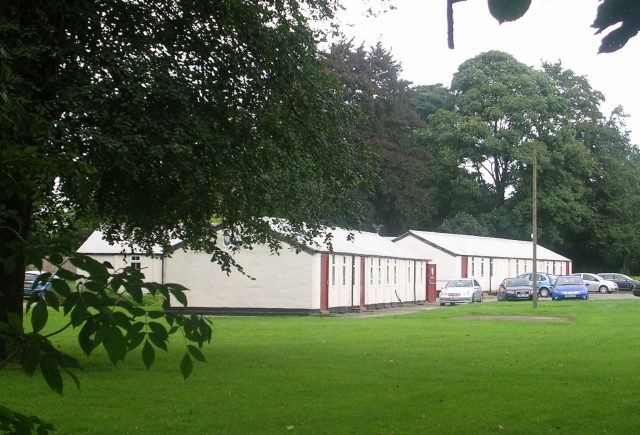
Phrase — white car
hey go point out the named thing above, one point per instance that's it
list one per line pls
(594, 283)
(461, 291)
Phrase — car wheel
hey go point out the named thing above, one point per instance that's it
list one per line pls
(553, 298)
(442, 304)
(544, 292)
(473, 298)
(480, 299)
(603, 289)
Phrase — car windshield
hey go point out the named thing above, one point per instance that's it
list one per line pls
(569, 280)
(460, 283)
(515, 282)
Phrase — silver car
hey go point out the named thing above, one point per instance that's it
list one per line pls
(461, 291)
(594, 283)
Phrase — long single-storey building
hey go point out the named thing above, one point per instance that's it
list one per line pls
(487, 259)
(360, 271)
(120, 256)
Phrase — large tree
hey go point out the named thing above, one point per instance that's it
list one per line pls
(154, 118)
(500, 109)
(371, 83)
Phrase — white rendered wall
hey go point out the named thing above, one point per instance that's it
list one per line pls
(447, 266)
(150, 267)
(288, 280)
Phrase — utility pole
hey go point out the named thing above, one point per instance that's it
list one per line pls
(534, 236)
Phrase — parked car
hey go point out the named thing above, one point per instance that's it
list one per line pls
(461, 291)
(29, 277)
(36, 288)
(594, 283)
(624, 282)
(545, 282)
(569, 287)
(515, 289)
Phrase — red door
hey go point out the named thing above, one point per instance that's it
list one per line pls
(465, 267)
(431, 282)
(324, 282)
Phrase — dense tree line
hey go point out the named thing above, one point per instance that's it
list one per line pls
(465, 165)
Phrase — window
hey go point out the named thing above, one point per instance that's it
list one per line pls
(525, 266)
(547, 267)
(371, 273)
(333, 271)
(491, 267)
(517, 267)
(387, 275)
(409, 273)
(421, 272)
(395, 268)
(344, 270)
(379, 271)
(135, 261)
(482, 267)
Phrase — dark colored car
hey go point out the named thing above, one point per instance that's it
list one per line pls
(515, 289)
(624, 282)
(569, 287)
(545, 282)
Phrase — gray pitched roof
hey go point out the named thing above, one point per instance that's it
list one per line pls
(476, 246)
(364, 244)
(96, 244)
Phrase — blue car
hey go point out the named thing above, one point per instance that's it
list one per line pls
(569, 287)
(545, 282)
(36, 288)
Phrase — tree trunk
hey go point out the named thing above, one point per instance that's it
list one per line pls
(13, 231)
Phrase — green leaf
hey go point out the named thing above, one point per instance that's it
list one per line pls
(135, 291)
(115, 344)
(61, 287)
(158, 329)
(148, 354)
(78, 315)
(15, 322)
(68, 276)
(179, 295)
(196, 353)
(508, 10)
(135, 340)
(158, 341)
(84, 337)
(51, 299)
(122, 320)
(39, 316)
(70, 302)
(51, 373)
(30, 359)
(186, 366)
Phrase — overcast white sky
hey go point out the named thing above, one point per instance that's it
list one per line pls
(416, 34)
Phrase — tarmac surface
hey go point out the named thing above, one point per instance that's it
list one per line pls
(408, 309)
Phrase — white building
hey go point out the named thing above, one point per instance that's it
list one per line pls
(367, 272)
(121, 256)
(489, 260)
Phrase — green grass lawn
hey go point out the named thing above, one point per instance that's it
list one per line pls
(423, 373)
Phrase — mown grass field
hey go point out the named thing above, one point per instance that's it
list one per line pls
(422, 373)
